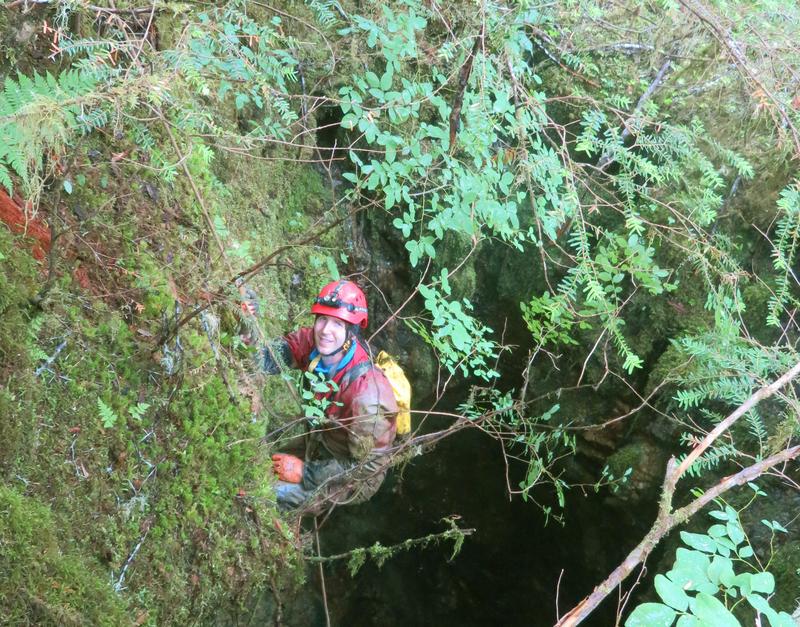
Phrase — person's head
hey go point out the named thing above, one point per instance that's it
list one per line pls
(330, 334)
(341, 313)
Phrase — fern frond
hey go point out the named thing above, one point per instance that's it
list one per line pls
(37, 112)
(324, 11)
(5, 179)
(107, 415)
(784, 252)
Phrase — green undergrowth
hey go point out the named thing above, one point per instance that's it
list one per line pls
(140, 463)
(46, 581)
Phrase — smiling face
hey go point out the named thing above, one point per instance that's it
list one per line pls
(329, 334)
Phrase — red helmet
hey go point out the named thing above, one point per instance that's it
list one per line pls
(343, 300)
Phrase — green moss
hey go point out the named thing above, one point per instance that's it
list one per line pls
(18, 278)
(19, 420)
(188, 480)
(756, 297)
(670, 363)
(188, 475)
(647, 463)
(45, 582)
(629, 456)
(22, 43)
(18, 285)
(454, 249)
(269, 204)
(785, 566)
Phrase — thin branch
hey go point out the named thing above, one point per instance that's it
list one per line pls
(607, 159)
(119, 585)
(751, 402)
(455, 533)
(322, 576)
(666, 520)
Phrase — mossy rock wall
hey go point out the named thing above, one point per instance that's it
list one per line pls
(46, 580)
(148, 451)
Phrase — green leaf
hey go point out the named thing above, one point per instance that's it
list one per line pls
(332, 269)
(721, 569)
(762, 582)
(349, 121)
(760, 604)
(776, 526)
(5, 179)
(651, 615)
(690, 571)
(717, 531)
(693, 559)
(672, 594)
(745, 552)
(138, 410)
(724, 546)
(241, 100)
(783, 620)
(107, 415)
(743, 580)
(699, 541)
(67, 186)
(687, 620)
(372, 79)
(220, 227)
(735, 532)
(711, 610)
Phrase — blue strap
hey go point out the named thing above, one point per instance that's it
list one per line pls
(330, 371)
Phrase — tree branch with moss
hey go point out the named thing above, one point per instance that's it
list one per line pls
(379, 553)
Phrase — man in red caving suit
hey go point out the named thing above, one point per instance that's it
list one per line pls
(345, 459)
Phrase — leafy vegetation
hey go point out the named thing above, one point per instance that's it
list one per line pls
(40, 113)
(711, 580)
(596, 202)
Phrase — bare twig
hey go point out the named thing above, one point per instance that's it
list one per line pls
(454, 533)
(119, 584)
(723, 426)
(49, 361)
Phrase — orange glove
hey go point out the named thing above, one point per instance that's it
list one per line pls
(288, 467)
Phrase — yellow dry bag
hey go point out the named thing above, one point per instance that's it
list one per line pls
(401, 388)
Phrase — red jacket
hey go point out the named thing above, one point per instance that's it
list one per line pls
(363, 411)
